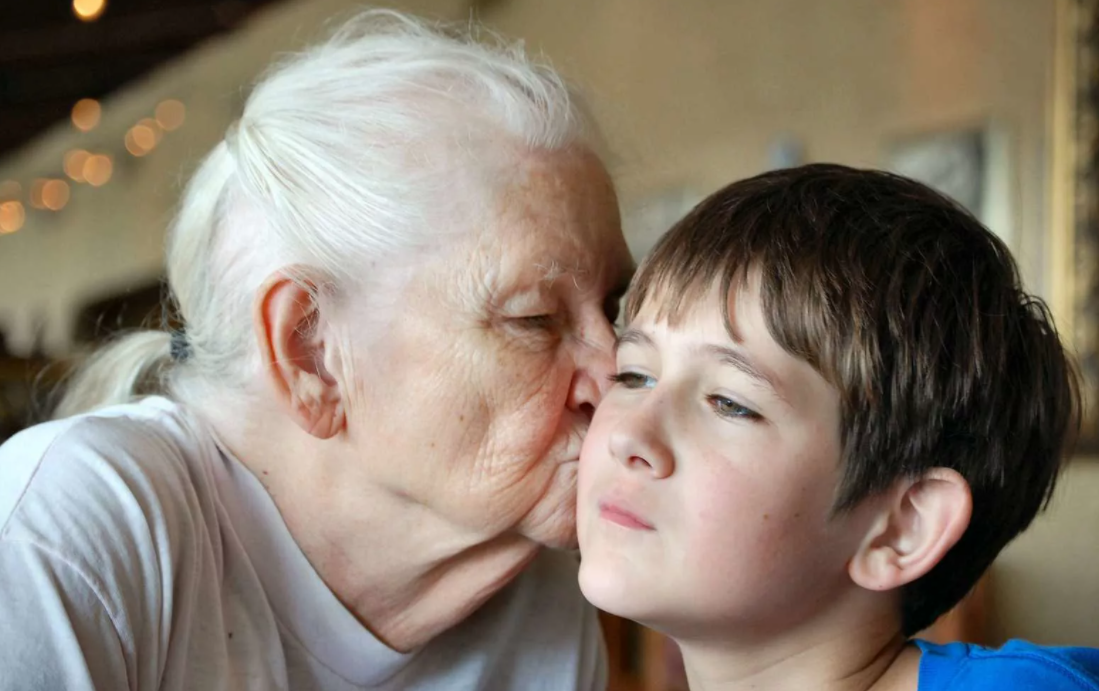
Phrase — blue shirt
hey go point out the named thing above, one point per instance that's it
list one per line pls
(1017, 665)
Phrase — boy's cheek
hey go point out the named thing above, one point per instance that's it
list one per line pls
(587, 475)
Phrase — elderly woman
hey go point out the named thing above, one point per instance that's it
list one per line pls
(397, 276)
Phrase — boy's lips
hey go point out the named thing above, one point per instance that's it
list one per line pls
(617, 513)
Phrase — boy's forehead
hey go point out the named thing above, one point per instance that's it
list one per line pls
(731, 327)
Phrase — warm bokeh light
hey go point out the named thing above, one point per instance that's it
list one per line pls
(152, 126)
(37, 187)
(170, 114)
(10, 190)
(148, 133)
(98, 169)
(12, 217)
(74, 164)
(89, 10)
(144, 137)
(131, 144)
(55, 195)
(86, 114)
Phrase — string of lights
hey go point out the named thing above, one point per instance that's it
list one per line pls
(82, 166)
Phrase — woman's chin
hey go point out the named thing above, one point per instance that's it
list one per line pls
(552, 521)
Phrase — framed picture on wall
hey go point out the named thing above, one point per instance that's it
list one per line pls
(952, 162)
(970, 164)
(1073, 242)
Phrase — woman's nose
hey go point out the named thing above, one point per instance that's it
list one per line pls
(594, 367)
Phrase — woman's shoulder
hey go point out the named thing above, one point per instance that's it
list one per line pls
(111, 550)
(1017, 664)
(124, 472)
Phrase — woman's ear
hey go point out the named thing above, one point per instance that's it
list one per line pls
(287, 324)
(921, 521)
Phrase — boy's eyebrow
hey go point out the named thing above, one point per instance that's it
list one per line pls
(742, 362)
(728, 356)
(634, 337)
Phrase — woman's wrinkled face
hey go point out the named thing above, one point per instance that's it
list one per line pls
(475, 399)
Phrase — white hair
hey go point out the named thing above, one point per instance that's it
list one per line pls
(347, 155)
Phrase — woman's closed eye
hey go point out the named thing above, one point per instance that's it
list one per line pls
(632, 380)
(540, 331)
(537, 321)
(728, 408)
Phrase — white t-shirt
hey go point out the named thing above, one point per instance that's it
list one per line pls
(136, 554)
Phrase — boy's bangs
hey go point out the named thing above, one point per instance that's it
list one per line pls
(731, 247)
(682, 269)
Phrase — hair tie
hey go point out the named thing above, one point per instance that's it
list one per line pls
(180, 346)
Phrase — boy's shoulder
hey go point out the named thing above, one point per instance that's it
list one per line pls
(1017, 665)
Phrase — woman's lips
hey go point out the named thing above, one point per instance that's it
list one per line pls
(626, 519)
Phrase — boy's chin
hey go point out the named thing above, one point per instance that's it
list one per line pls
(611, 594)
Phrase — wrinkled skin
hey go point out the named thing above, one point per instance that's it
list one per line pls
(475, 401)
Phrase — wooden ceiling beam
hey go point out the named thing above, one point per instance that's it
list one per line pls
(91, 77)
(127, 33)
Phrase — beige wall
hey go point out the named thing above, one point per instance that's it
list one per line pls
(1045, 586)
(692, 93)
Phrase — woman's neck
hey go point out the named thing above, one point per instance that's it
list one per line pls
(404, 572)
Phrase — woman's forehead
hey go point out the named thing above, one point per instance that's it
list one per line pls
(550, 231)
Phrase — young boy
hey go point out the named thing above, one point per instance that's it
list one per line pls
(834, 405)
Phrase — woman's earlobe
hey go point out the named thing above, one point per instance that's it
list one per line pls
(921, 522)
(286, 323)
(317, 407)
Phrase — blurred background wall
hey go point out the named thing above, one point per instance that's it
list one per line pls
(692, 94)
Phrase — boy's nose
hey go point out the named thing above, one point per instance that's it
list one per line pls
(638, 443)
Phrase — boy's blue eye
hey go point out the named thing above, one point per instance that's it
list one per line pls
(729, 408)
(632, 380)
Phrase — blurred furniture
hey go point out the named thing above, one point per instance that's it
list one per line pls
(25, 385)
(136, 307)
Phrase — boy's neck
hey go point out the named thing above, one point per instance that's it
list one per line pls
(871, 658)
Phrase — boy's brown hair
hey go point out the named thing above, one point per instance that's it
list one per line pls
(914, 311)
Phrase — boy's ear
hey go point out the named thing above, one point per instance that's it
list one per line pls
(921, 521)
(286, 323)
